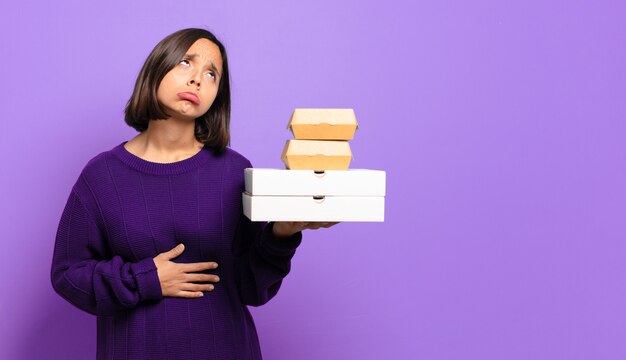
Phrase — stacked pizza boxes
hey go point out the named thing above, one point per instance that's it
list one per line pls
(317, 185)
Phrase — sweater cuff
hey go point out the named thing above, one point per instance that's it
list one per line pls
(147, 278)
(280, 246)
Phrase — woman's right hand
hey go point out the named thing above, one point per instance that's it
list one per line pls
(182, 280)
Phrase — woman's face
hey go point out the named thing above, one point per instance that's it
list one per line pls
(188, 90)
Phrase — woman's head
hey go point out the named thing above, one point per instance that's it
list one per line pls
(187, 62)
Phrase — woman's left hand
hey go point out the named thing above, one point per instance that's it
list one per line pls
(284, 229)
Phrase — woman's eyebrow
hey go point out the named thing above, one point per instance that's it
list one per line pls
(213, 67)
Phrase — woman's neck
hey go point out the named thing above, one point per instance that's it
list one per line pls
(165, 141)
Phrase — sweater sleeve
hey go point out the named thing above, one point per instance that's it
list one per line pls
(88, 280)
(261, 260)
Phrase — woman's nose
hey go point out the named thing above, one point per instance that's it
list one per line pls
(194, 81)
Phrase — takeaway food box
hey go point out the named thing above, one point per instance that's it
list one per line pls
(323, 124)
(317, 155)
(321, 139)
(306, 195)
(317, 185)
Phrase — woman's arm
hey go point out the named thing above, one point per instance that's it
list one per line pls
(262, 260)
(96, 285)
(263, 253)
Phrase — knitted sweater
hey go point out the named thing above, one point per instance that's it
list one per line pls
(123, 211)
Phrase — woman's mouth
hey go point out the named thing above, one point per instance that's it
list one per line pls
(189, 96)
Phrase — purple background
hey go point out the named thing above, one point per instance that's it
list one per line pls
(501, 127)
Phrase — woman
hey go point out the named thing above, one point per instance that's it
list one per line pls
(152, 239)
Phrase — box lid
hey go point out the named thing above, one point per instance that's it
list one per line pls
(323, 124)
(281, 182)
(316, 155)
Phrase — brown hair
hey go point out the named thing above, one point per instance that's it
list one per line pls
(212, 128)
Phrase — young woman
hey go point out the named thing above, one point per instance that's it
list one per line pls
(152, 239)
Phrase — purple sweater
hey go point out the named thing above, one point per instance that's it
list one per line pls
(123, 211)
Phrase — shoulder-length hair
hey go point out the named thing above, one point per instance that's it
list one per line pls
(212, 128)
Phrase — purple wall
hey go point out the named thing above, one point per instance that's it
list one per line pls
(501, 127)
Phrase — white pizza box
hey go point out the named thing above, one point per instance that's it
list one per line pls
(352, 182)
(309, 208)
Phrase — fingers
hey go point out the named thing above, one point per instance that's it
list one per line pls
(189, 294)
(192, 291)
(197, 267)
(196, 287)
(174, 252)
(201, 278)
(184, 279)
(188, 289)
(317, 225)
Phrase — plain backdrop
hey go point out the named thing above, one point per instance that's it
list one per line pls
(500, 124)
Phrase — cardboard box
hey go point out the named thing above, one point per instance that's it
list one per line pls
(323, 124)
(316, 155)
(308, 208)
(278, 182)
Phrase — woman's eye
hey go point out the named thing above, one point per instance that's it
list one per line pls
(184, 61)
(211, 75)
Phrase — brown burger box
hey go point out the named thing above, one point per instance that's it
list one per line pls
(318, 155)
(323, 124)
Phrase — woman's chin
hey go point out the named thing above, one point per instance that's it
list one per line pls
(182, 115)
